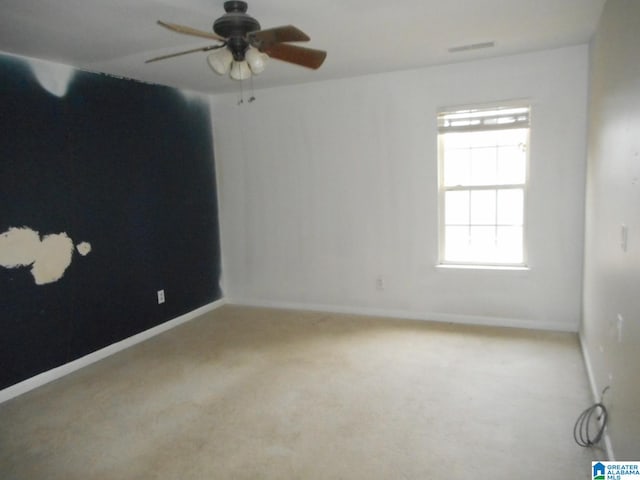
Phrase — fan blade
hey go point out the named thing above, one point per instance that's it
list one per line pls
(190, 31)
(171, 55)
(305, 57)
(287, 33)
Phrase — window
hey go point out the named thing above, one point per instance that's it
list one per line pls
(482, 155)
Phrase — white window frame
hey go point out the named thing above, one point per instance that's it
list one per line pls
(442, 189)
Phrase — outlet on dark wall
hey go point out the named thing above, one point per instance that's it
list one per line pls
(125, 167)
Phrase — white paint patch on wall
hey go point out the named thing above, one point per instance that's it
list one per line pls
(53, 77)
(48, 257)
(83, 248)
(17, 246)
(52, 258)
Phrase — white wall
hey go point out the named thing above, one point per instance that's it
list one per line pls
(326, 186)
(612, 275)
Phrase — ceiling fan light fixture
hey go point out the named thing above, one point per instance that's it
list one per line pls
(240, 70)
(245, 46)
(220, 61)
(256, 60)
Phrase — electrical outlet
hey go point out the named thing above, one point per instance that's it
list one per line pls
(379, 283)
(160, 296)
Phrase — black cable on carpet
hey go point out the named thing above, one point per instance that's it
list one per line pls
(581, 432)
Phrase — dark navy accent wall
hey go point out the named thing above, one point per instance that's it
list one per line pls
(125, 166)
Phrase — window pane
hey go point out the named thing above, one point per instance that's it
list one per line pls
(483, 166)
(512, 137)
(510, 206)
(456, 140)
(483, 207)
(509, 243)
(483, 243)
(457, 167)
(511, 165)
(489, 138)
(456, 208)
(457, 244)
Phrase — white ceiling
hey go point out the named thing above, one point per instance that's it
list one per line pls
(360, 36)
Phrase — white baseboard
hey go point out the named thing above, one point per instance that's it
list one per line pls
(55, 373)
(410, 315)
(597, 393)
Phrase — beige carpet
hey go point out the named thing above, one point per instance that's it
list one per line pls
(245, 393)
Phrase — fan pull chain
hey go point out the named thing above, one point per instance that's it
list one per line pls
(241, 98)
(252, 98)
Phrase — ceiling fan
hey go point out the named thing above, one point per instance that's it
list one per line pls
(245, 46)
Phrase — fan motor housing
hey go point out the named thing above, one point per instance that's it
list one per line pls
(234, 26)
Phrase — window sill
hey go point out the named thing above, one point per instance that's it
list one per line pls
(451, 266)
